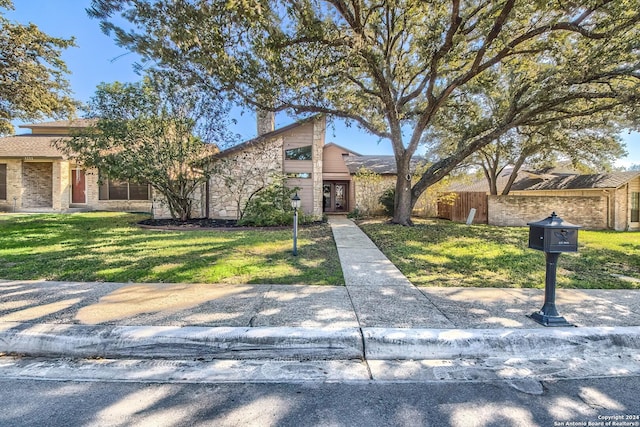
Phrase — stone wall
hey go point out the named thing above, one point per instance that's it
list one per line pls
(587, 211)
(240, 174)
(319, 128)
(161, 209)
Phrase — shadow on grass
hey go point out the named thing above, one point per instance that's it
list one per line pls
(108, 247)
(440, 253)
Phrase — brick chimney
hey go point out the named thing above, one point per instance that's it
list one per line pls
(266, 121)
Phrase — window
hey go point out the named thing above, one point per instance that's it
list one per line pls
(3, 181)
(123, 190)
(299, 175)
(300, 153)
(635, 207)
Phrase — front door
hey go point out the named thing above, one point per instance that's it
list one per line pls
(78, 186)
(335, 196)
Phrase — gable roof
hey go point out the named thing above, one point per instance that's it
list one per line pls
(18, 146)
(264, 137)
(348, 151)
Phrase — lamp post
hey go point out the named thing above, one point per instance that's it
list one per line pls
(295, 204)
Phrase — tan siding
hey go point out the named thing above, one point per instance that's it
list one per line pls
(300, 137)
(50, 131)
(298, 166)
(333, 163)
(305, 193)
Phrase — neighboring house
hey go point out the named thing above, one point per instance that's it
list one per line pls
(36, 177)
(596, 201)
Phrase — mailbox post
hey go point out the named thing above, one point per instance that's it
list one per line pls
(553, 236)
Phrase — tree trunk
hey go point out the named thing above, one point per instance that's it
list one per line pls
(403, 202)
(514, 173)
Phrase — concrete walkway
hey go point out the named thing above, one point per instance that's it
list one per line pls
(378, 317)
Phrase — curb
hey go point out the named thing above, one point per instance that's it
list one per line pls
(168, 342)
(421, 344)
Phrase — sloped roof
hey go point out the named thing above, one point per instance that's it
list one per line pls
(348, 151)
(522, 182)
(383, 165)
(264, 137)
(582, 182)
(30, 146)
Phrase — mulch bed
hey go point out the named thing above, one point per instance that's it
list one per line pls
(190, 224)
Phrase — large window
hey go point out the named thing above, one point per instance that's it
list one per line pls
(3, 181)
(123, 190)
(635, 207)
(301, 153)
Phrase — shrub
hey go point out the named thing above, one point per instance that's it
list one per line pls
(271, 207)
(388, 201)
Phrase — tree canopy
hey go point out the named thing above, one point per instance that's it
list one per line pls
(400, 68)
(32, 74)
(152, 132)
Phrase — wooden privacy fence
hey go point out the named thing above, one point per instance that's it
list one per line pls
(456, 206)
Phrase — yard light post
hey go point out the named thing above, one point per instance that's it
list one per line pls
(295, 204)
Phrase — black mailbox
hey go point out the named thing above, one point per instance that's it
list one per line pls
(553, 235)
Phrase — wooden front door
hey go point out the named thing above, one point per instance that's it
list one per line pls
(78, 186)
(335, 196)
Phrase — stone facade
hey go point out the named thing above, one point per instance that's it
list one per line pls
(241, 171)
(161, 209)
(319, 130)
(238, 176)
(587, 211)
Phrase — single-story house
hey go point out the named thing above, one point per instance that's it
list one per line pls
(35, 176)
(595, 201)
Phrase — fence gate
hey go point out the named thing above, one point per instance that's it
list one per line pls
(456, 206)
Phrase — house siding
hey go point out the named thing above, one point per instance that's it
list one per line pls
(587, 211)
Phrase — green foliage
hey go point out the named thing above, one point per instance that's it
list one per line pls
(32, 74)
(403, 69)
(271, 207)
(387, 200)
(355, 214)
(153, 131)
(108, 246)
(442, 253)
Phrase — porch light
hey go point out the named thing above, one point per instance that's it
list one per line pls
(295, 204)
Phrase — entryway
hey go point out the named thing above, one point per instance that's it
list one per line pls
(78, 186)
(335, 196)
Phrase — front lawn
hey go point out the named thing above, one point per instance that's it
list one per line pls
(442, 253)
(110, 247)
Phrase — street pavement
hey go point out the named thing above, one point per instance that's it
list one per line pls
(378, 327)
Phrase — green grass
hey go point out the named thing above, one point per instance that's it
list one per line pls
(441, 253)
(110, 247)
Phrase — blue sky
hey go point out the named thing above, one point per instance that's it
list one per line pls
(97, 59)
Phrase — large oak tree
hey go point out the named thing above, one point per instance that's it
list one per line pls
(398, 67)
(32, 74)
